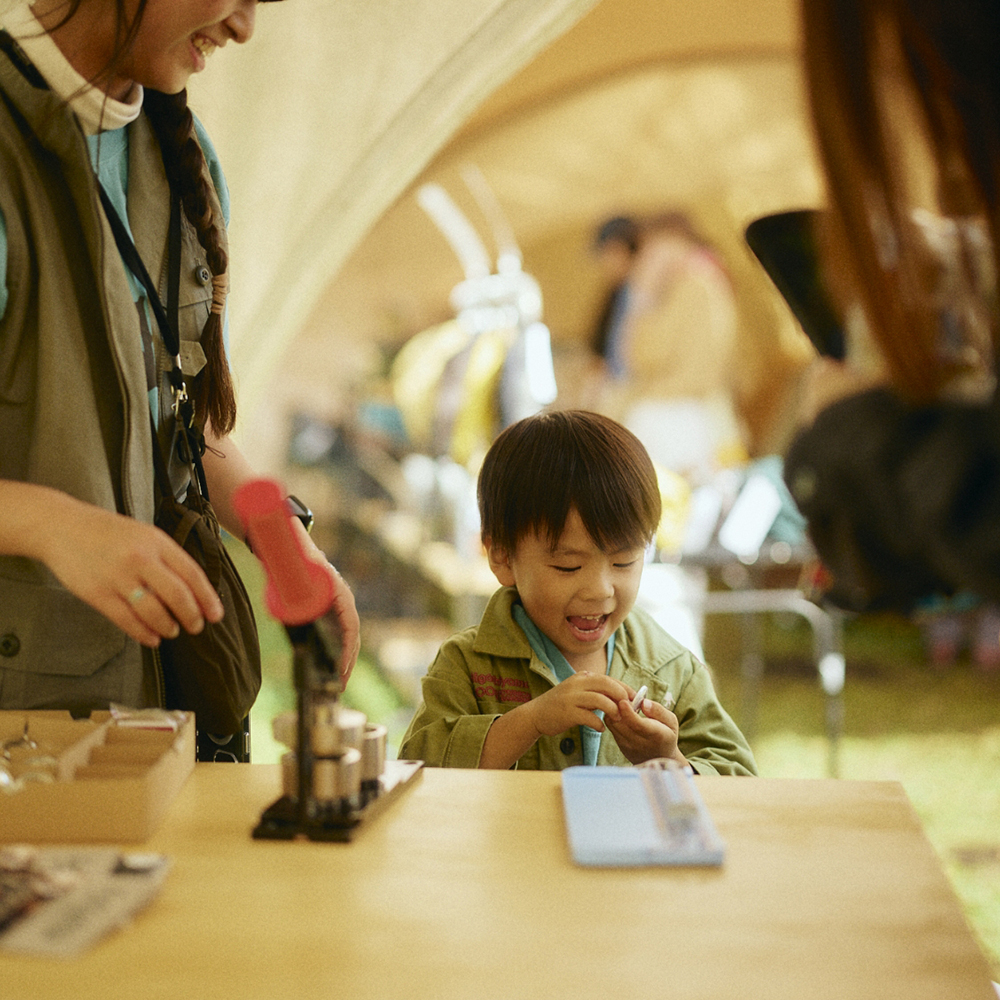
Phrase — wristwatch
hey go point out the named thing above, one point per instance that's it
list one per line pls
(298, 509)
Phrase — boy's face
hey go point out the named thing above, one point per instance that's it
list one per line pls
(575, 593)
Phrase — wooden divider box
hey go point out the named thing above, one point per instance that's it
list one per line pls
(103, 781)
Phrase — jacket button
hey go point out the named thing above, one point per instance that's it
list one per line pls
(203, 274)
(10, 645)
(567, 745)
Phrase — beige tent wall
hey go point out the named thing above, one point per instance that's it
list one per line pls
(639, 105)
(320, 121)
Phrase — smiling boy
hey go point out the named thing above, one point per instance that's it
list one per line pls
(568, 503)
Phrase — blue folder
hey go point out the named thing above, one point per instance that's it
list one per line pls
(637, 816)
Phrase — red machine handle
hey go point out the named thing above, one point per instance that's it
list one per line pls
(298, 589)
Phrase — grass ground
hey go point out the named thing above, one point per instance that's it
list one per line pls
(936, 732)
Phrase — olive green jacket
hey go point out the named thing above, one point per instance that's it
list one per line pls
(489, 669)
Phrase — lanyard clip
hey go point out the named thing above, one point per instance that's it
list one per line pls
(181, 405)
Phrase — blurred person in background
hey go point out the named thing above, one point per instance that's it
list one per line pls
(666, 338)
(616, 244)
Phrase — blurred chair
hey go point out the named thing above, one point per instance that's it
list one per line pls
(746, 534)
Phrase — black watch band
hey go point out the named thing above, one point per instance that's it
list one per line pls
(298, 509)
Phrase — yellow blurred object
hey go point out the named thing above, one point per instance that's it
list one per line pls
(675, 495)
(445, 382)
(477, 418)
(732, 454)
(416, 376)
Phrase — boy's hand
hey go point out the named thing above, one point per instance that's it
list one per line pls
(648, 736)
(573, 702)
(570, 703)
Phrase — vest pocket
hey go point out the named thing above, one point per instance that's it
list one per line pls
(194, 302)
(44, 629)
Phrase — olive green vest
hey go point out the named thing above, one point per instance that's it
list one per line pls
(74, 412)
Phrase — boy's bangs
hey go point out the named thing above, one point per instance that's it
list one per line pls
(542, 466)
(618, 515)
(618, 504)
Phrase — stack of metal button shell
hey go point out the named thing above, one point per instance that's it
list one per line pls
(348, 754)
(372, 757)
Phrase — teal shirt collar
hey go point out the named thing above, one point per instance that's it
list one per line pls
(549, 654)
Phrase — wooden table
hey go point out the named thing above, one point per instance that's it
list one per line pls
(463, 888)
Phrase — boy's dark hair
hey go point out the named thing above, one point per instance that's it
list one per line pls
(542, 465)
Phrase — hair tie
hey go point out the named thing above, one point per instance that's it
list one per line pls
(220, 288)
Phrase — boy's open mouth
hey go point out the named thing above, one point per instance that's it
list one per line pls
(587, 623)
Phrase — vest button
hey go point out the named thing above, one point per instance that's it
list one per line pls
(10, 645)
(203, 274)
(567, 745)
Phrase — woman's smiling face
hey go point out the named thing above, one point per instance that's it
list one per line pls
(177, 36)
(576, 593)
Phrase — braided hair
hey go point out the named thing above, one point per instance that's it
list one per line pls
(173, 123)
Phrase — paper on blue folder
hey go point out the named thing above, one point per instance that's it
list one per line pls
(620, 817)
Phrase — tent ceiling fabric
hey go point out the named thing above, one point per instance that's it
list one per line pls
(723, 141)
(616, 36)
(334, 114)
(324, 118)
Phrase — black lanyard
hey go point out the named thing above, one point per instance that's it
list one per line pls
(166, 319)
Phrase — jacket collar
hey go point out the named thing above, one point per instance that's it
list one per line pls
(499, 634)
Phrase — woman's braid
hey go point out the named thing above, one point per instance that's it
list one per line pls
(184, 162)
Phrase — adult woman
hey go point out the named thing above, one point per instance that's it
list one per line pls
(901, 485)
(94, 89)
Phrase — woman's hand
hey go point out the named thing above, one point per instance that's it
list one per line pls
(344, 614)
(131, 572)
(226, 468)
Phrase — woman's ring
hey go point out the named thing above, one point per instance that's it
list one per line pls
(136, 596)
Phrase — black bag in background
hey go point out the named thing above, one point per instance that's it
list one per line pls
(902, 501)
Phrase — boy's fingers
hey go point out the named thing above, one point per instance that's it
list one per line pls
(607, 703)
(658, 712)
(591, 721)
(615, 690)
